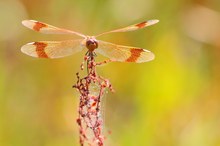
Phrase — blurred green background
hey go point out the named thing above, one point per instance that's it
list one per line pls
(171, 101)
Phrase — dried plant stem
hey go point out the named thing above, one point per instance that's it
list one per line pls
(91, 89)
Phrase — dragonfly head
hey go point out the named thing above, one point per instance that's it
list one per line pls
(91, 44)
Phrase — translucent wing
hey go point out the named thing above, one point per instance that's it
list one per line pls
(48, 29)
(52, 49)
(124, 53)
(133, 27)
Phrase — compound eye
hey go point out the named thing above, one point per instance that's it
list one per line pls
(89, 42)
(91, 45)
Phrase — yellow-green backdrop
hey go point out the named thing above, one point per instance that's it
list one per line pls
(173, 100)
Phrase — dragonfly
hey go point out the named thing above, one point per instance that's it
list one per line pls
(58, 49)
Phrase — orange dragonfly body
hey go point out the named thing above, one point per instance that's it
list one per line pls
(57, 49)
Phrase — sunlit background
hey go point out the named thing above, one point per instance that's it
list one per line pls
(173, 100)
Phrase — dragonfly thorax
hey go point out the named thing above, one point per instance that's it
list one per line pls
(91, 44)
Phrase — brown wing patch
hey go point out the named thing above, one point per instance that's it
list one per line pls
(38, 26)
(40, 49)
(135, 54)
(141, 25)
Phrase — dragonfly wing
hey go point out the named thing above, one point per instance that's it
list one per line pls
(133, 27)
(124, 53)
(48, 29)
(52, 49)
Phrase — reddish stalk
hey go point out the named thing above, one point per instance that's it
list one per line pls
(91, 89)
